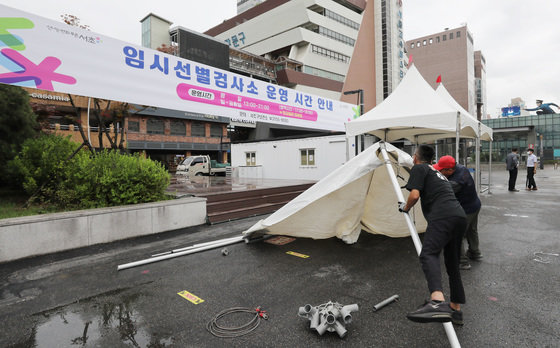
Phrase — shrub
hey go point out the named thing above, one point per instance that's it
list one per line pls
(43, 169)
(111, 178)
(42, 164)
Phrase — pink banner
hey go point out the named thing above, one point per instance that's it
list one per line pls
(214, 97)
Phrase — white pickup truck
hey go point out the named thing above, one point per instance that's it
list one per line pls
(201, 165)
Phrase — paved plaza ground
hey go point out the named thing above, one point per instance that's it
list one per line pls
(78, 298)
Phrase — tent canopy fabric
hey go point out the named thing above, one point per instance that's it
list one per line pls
(352, 198)
(414, 111)
(485, 131)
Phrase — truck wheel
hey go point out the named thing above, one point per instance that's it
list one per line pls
(198, 174)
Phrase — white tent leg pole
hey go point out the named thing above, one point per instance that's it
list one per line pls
(451, 335)
(218, 244)
(457, 130)
(347, 149)
(478, 175)
(195, 246)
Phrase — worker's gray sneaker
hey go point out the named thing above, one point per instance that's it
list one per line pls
(432, 311)
(457, 317)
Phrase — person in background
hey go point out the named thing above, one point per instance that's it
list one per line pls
(446, 226)
(512, 162)
(531, 170)
(465, 191)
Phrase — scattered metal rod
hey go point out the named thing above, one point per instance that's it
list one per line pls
(217, 244)
(385, 302)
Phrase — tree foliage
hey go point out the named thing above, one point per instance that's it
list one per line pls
(74, 21)
(17, 123)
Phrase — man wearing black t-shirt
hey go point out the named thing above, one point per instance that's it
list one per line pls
(446, 226)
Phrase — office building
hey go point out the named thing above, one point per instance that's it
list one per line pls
(541, 132)
(451, 55)
(244, 5)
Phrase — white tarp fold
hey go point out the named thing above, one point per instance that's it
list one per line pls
(356, 196)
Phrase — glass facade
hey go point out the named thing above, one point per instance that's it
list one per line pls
(146, 33)
(531, 128)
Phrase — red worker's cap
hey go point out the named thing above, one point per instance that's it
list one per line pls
(445, 162)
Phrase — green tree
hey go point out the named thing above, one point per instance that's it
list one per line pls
(17, 123)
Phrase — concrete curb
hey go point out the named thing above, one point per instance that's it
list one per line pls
(43, 234)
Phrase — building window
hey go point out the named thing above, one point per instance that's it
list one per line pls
(424, 43)
(198, 129)
(178, 128)
(322, 73)
(331, 54)
(444, 37)
(431, 41)
(336, 36)
(134, 126)
(341, 19)
(412, 45)
(437, 39)
(155, 126)
(418, 44)
(458, 34)
(216, 130)
(450, 36)
(250, 158)
(307, 157)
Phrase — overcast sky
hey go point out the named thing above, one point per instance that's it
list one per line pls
(520, 39)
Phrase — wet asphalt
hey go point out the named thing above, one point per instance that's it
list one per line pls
(78, 298)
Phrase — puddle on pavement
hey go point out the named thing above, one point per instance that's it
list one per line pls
(98, 322)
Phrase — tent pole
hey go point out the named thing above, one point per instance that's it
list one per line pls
(347, 149)
(478, 175)
(457, 130)
(490, 170)
(217, 244)
(451, 335)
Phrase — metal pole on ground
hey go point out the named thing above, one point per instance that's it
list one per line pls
(217, 244)
(451, 335)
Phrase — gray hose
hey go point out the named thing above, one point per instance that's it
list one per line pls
(229, 332)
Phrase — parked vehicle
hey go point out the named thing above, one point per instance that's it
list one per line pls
(201, 165)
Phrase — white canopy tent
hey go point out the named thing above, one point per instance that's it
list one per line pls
(354, 197)
(484, 132)
(414, 111)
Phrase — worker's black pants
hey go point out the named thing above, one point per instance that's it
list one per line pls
(531, 177)
(444, 234)
(512, 179)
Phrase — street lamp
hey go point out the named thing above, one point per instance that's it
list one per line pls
(360, 93)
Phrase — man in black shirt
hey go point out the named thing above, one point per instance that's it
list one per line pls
(446, 226)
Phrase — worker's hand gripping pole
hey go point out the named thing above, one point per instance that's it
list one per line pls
(451, 335)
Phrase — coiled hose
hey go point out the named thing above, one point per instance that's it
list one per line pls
(229, 332)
